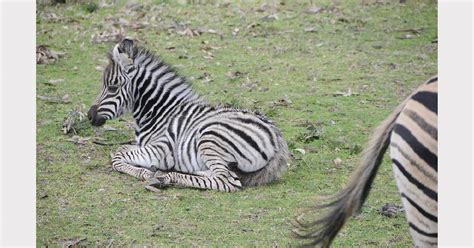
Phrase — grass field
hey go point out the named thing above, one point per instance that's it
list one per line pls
(278, 58)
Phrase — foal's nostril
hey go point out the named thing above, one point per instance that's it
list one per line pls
(98, 121)
(95, 119)
(92, 111)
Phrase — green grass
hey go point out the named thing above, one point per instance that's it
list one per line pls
(357, 46)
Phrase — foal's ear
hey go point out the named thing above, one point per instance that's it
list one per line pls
(120, 56)
(126, 45)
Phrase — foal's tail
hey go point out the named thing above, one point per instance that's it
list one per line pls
(273, 170)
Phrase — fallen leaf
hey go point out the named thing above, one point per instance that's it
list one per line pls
(46, 56)
(208, 55)
(416, 31)
(212, 31)
(43, 195)
(314, 9)
(283, 102)
(73, 242)
(158, 227)
(78, 140)
(252, 25)
(206, 77)
(189, 32)
(234, 75)
(50, 17)
(345, 94)
(208, 48)
(250, 86)
(54, 82)
(301, 150)
(49, 99)
(66, 99)
(390, 210)
(270, 17)
(406, 36)
(235, 32)
(107, 36)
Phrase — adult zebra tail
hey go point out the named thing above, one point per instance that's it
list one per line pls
(349, 200)
(274, 168)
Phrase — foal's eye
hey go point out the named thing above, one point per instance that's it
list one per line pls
(112, 88)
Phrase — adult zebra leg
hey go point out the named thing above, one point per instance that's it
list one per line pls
(139, 162)
(219, 177)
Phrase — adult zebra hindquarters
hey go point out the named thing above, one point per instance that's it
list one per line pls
(349, 201)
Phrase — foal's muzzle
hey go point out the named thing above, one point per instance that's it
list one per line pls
(96, 120)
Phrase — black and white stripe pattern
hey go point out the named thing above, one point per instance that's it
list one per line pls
(414, 153)
(195, 144)
(412, 134)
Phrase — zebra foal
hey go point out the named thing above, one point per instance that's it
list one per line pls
(411, 131)
(181, 140)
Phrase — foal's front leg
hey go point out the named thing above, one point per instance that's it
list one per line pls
(140, 162)
(226, 181)
(218, 177)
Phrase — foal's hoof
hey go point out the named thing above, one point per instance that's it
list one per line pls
(157, 183)
(152, 189)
